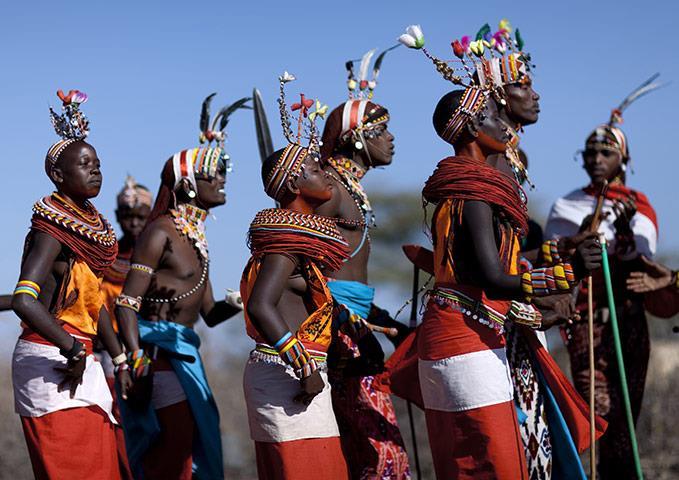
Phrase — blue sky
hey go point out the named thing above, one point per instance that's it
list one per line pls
(147, 66)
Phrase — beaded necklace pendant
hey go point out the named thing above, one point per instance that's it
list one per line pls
(189, 221)
(350, 175)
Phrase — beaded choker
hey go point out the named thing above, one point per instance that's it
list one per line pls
(87, 223)
(350, 175)
(189, 220)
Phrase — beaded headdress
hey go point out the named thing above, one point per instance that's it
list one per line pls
(608, 135)
(290, 162)
(475, 94)
(355, 119)
(205, 161)
(134, 195)
(72, 125)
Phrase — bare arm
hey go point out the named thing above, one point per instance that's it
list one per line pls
(148, 251)
(107, 334)
(5, 303)
(266, 293)
(213, 312)
(36, 267)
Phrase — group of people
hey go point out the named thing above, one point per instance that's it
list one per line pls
(108, 363)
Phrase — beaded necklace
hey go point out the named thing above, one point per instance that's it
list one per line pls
(513, 159)
(189, 220)
(350, 175)
(87, 223)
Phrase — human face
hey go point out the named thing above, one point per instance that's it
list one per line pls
(523, 102)
(492, 134)
(77, 173)
(132, 219)
(380, 145)
(313, 184)
(601, 163)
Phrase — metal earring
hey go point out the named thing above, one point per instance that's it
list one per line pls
(192, 194)
(358, 145)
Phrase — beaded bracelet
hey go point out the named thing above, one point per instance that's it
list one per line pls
(27, 287)
(140, 363)
(550, 252)
(126, 301)
(119, 359)
(294, 354)
(544, 281)
(75, 353)
(120, 368)
(524, 314)
(142, 268)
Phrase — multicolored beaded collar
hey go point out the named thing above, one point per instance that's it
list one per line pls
(350, 175)
(189, 221)
(87, 223)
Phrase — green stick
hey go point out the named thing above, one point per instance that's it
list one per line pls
(621, 364)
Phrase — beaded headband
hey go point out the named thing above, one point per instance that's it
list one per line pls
(72, 125)
(206, 161)
(289, 165)
(132, 195)
(472, 102)
(609, 136)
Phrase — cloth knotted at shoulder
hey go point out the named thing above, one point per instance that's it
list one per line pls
(463, 178)
(286, 232)
(85, 232)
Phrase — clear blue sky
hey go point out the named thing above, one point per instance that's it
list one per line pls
(147, 66)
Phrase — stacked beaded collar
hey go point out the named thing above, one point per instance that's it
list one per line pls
(278, 230)
(350, 175)
(88, 223)
(84, 231)
(189, 221)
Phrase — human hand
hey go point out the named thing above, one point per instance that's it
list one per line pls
(233, 299)
(73, 373)
(124, 380)
(588, 255)
(311, 386)
(655, 277)
(557, 310)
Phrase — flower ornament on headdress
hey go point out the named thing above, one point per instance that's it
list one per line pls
(475, 95)
(608, 135)
(72, 125)
(290, 163)
(133, 195)
(206, 161)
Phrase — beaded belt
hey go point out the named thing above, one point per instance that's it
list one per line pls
(266, 353)
(470, 307)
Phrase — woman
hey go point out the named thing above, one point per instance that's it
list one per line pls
(288, 311)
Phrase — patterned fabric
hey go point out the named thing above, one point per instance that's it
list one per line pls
(371, 439)
(615, 450)
(529, 398)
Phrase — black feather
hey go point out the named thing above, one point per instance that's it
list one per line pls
(380, 58)
(264, 141)
(225, 113)
(205, 113)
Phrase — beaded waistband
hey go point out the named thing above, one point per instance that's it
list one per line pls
(266, 353)
(469, 307)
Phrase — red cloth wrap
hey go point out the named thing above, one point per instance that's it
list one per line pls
(463, 178)
(618, 191)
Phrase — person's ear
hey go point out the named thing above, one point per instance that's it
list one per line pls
(292, 186)
(188, 189)
(472, 128)
(56, 175)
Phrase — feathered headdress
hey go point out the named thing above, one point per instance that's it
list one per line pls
(609, 135)
(134, 195)
(72, 125)
(215, 131)
(362, 87)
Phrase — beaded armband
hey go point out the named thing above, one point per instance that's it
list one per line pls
(139, 363)
(294, 354)
(540, 282)
(126, 301)
(550, 252)
(525, 314)
(27, 287)
(142, 268)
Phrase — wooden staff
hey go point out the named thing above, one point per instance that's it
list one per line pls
(593, 227)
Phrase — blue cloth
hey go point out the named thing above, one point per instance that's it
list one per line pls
(356, 296)
(141, 427)
(566, 463)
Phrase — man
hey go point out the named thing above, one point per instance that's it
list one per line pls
(169, 287)
(60, 390)
(356, 139)
(630, 227)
